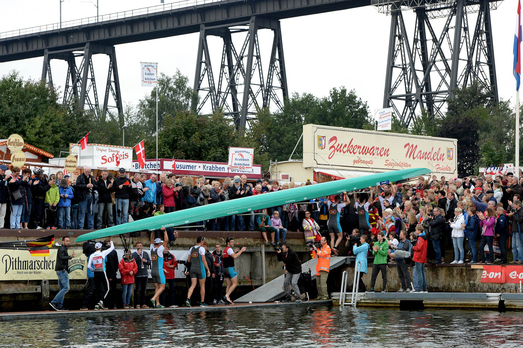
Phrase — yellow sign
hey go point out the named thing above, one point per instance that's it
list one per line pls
(15, 142)
(18, 158)
(355, 149)
(20, 265)
(70, 163)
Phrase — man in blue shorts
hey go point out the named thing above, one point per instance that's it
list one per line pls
(198, 271)
(157, 273)
(229, 273)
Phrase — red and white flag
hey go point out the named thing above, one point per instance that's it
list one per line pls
(174, 165)
(140, 153)
(83, 141)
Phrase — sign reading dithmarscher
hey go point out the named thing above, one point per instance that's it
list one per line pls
(20, 265)
(345, 148)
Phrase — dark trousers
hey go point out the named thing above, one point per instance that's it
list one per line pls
(209, 294)
(171, 299)
(487, 240)
(218, 285)
(141, 288)
(112, 297)
(375, 270)
(403, 273)
(361, 285)
(89, 292)
(101, 284)
(169, 209)
(502, 240)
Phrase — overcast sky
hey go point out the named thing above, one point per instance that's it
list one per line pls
(345, 48)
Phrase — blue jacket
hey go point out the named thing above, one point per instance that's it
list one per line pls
(65, 202)
(259, 220)
(479, 205)
(159, 193)
(361, 255)
(472, 228)
(501, 225)
(150, 195)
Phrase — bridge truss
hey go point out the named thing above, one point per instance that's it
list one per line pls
(426, 67)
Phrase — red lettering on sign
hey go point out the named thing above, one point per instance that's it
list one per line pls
(355, 149)
(493, 274)
(114, 158)
(413, 153)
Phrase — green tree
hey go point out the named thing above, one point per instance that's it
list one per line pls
(190, 136)
(462, 121)
(31, 109)
(341, 108)
(174, 96)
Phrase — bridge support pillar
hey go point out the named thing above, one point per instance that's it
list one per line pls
(241, 89)
(80, 85)
(425, 69)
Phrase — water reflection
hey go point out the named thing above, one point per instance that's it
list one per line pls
(297, 326)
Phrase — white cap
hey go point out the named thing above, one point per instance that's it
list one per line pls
(98, 245)
(158, 241)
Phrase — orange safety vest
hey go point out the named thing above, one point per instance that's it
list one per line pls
(324, 260)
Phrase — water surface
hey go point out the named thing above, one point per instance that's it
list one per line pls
(290, 326)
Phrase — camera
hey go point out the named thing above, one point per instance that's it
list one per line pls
(182, 262)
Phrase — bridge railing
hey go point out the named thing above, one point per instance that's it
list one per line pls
(178, 5)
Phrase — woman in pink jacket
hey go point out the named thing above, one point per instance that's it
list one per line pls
(488, 221)
(128, 269)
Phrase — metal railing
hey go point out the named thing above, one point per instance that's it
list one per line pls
(174, 6)
(355, 286)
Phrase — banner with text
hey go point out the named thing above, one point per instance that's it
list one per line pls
(20, 265)
(99, 156)
(149, 73)
(241, 157)
(345, 148)
(384, 119)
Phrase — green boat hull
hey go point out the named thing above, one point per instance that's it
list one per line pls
(247, 204)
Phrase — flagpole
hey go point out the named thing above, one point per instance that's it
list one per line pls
(517, 133)
(157, 166)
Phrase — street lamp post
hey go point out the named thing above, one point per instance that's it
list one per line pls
(123, 135)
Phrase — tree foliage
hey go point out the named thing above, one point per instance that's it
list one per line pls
(31, 109)
(174, 96)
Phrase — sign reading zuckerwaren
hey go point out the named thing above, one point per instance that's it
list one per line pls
(20, 265)
(344, 148)
(149, 74)
(241, 157)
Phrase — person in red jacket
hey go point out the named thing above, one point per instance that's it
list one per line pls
(169, 196)
(169, 265)
(128, 268)
(419, 239)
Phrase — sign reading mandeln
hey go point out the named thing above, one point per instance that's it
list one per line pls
(149, 74)
(20, 265)
(349, 149)
(241, 157)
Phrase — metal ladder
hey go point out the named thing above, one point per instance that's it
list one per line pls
(355, 286)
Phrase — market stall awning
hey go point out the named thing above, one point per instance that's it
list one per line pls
(341, 174)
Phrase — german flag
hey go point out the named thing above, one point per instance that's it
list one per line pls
(37, 243)
(42, 251)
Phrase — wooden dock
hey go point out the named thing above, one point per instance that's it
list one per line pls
(455, 300)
